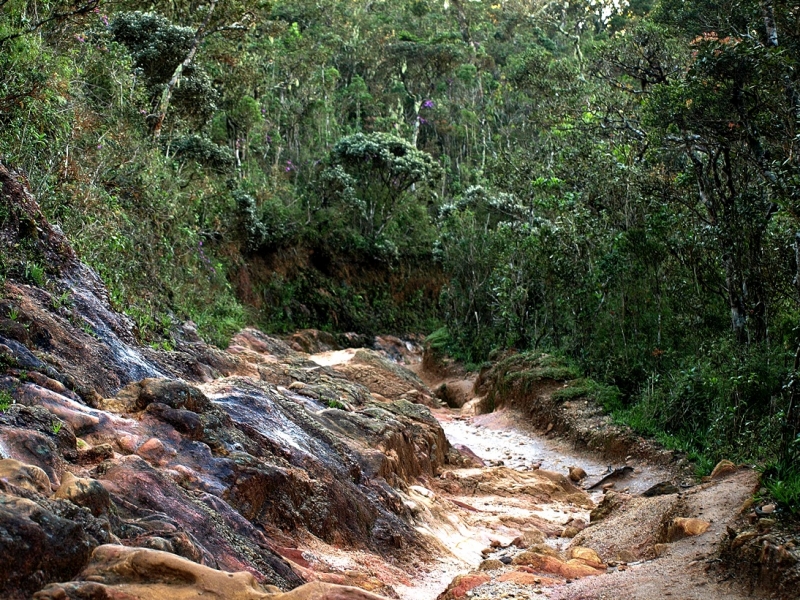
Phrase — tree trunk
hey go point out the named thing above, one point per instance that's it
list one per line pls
(770, 28)
(166, 96)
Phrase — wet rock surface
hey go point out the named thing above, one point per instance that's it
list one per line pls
(216, 457)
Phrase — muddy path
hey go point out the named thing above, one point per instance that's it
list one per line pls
(639, 556)
(515, 526)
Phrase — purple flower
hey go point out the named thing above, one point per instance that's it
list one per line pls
(428, 104)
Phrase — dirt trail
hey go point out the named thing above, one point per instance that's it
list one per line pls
(644, 557)
(679, 570)
(514, 526)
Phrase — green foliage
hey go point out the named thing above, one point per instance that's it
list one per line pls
(377, 183)
(715, 408)
(783, 484)
(613, 194)
(157, 47)
(56, 426)
(203, 151)
(35, 274)
(5, 400)
(606, 396)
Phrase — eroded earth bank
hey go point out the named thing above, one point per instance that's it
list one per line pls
(296, 469)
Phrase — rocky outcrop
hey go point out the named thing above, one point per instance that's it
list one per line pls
(215, 457)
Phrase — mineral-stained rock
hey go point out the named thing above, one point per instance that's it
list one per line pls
(84, 492)
(537, 484)
(546, 560)
(172, 393)
(382, 376)
(525, 578)
(119, 572)
(608, 504)
(586, 556)
(25, 476)
(569, 532)
(205, 453)
(37, 545)
(206, 528)
(529, 537)
(490, 564)
(682, 527)
(462, 584)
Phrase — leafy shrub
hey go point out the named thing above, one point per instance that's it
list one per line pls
(5, 400)
(203, 151)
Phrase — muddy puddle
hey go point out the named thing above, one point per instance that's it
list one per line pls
(500, 436)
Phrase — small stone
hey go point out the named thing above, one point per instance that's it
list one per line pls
(491, 564)
(765, 524)
(529, 538)
(661, 489)
(569, 532)
(768, 508)
(576, 474)
(682, 527)
(84, 492)
(661, 549)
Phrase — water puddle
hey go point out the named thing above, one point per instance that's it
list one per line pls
(500, 436)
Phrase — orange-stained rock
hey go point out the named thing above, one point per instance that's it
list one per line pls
(153, 451)
(547, 563)
(587, 556)
(523, 578)
(120, 572)
(462, 584)
(682, 527)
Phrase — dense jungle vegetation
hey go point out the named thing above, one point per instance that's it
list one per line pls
(614, 182)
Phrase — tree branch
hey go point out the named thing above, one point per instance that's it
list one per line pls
(58, 16)
(166, 96)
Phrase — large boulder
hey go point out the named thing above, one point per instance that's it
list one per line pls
(121, 573)
(42, 541)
